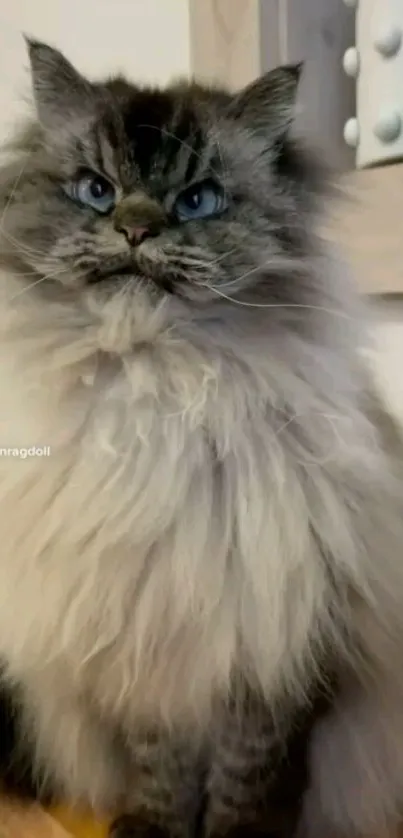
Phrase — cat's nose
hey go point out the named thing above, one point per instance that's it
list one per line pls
(138, 216)
(135, 234)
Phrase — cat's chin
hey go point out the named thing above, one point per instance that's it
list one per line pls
(110, 279)
(126, 314)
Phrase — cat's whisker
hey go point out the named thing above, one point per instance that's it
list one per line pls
(194, 262)
(37, 282)
(22, 247)
(13, 191)
(223, 256)
(332, 311)
(200, 262)
(244, 275)
(285, 264)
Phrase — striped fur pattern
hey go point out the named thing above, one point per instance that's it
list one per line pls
(219, 522)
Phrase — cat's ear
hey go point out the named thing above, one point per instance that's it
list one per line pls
(268, 105)
(60, 91)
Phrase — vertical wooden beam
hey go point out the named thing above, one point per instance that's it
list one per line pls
(225, 40)
(233, 41)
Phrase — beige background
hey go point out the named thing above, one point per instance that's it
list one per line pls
(148, 39)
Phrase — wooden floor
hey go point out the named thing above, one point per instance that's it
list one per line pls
(17, 821)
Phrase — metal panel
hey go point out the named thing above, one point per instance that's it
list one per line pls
(269, 43)
(232, 41)
(379, 125)
(318, 32)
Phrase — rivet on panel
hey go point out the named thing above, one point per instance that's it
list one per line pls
(388, 126)
(351, 62)
(351, 132)
(388, 40)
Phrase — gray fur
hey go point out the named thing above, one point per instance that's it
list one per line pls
(220, 505)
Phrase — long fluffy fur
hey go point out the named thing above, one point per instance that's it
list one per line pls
(218, 499)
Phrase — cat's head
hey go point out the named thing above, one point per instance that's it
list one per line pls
(189, 194)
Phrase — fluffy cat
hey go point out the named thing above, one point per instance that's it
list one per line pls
(213, 547)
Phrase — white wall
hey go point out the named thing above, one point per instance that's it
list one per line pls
(148, 39)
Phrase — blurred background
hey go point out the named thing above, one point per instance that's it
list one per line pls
(351, 98)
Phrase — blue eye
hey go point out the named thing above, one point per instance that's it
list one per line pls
(93, 191)
(200, 201)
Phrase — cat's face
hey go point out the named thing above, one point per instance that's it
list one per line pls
(188, 193)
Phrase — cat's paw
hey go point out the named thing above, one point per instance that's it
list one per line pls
(131, 826)
(246, 830)
(258, 827)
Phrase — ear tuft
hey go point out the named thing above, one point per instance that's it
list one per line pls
(59, 89)
(268, 104)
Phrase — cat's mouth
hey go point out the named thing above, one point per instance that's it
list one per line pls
(104, 272)
(118, 268)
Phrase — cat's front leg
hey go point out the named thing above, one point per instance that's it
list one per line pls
(166, 793)
(249, 754)
(132, 826)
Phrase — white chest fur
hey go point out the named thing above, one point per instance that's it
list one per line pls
(132, 559)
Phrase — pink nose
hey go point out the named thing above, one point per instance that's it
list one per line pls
(135, 235)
